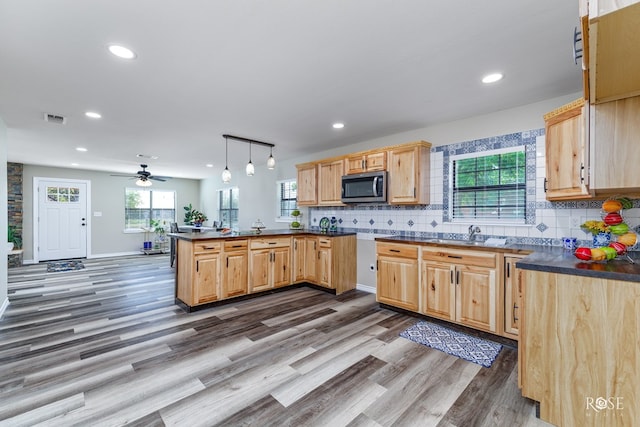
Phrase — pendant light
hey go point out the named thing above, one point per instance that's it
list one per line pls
(226, 173)
(250, 169)
(271, 162)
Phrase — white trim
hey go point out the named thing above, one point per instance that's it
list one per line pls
(366, 288)
(116, 254)
(4, 306)
(35, 202)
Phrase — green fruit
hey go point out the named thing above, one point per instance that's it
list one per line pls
(609, 252)
(295, 213)
(295, 224)
(626, 202)
(619, 229)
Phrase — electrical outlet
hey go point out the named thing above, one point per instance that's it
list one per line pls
(372, 267)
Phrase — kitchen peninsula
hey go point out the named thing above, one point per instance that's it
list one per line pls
(212, 267)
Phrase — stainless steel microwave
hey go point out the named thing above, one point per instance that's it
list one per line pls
(370, 187)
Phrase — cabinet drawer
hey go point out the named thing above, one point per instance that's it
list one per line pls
(324, 242)
(266, 243)
(235, 245)
(399, 250)
(455, 256)
(206, 246)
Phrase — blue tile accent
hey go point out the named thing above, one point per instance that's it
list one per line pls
(541, 227)
(371, 221)
(390, 222)
(434, 223)
(355, 221)
(410, 223)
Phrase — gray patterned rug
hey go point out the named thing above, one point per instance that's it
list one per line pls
(467, 347)
(56, 266)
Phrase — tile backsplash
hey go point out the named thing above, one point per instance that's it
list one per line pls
(546, 222)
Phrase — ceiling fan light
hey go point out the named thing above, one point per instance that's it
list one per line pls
(226, 175)
(250, 169)
(143, 182)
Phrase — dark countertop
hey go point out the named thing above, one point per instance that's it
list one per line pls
(198, 235)
(552, 259)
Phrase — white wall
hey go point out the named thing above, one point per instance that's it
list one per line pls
(107, 197)
(3, 215)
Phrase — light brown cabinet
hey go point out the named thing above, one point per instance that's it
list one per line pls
(269, 264)
(234, 267)
(409, 170)
(330, 182)
(307, 182)
(366, 162)
(512, 296)
(324, 262)
(471, 283)
(299, 257)
(578, 343)
(567, 142)
(397, 276)
(199, 273)
(311, 259)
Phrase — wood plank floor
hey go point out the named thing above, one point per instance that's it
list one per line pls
(106, 346)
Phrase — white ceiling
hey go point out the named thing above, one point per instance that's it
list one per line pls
(280, 71)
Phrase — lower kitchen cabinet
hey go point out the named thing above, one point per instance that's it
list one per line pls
(397, 275)
(209, 270)
(512, 299)
(235, 259)
(466, 291)
(270, 263)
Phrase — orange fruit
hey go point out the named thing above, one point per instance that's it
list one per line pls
(611, 205)
(598, 254)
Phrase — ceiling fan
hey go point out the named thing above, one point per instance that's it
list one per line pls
(145, 177)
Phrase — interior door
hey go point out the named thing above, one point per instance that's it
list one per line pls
(62, 219)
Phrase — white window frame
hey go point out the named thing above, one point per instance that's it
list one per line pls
(142, 230)
(280, 218)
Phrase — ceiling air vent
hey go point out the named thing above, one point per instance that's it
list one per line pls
(52, 118)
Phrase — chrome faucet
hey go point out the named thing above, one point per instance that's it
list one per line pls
(473, 230)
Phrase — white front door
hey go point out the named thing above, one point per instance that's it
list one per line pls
(62, 219)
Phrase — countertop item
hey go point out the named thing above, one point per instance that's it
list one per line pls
(553, 259)
(324, 224)
(244, 234)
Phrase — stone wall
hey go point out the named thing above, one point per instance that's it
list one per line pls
(14, 205)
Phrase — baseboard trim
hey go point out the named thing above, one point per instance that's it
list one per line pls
(4, 306)
(366, 288)
(114, 254)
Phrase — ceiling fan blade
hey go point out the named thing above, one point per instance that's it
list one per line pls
(125, 176)
(159, 178)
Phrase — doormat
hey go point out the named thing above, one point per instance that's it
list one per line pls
(56, 266)
(467, 347)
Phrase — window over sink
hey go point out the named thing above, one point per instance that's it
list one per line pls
(489, 186)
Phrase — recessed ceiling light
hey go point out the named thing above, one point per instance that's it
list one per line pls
(338, 125)
(93, 115)
(492, 78)
(121, 51)
(209, 165)
(81, 149)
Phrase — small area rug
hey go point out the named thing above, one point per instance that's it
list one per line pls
(56, 266)
(473, 349)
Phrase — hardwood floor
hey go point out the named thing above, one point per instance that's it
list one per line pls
(107, 346)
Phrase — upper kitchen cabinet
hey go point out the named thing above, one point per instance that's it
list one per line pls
(409, 170)
(614, 154)
(307, 184)
(330, 182)
(567, 152)
(366, 162)
(614, 58)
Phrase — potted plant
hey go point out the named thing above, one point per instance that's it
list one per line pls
(13, 240)
(197, 218)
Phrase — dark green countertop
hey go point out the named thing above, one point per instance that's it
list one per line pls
(193, 236)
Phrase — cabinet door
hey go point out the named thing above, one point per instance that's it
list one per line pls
(330, 182)
(355, 164)
(280, 266)
(235, 274)
(439, 291)
(298, 259)
(259, 269)
(307, 185)
(476, 297)
(207, 278)
(511, 297)
(311, 259)
(409, 175)
(565, 142)
(398, 282)
(324, 267)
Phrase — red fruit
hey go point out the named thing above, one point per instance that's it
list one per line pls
(613, 218)
(619, 247)
(583, 253)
